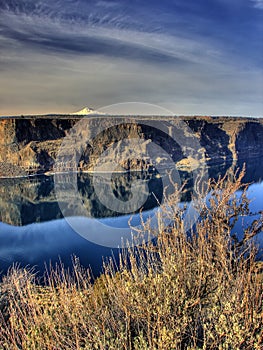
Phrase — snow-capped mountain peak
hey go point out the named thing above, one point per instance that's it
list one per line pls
(86, 110)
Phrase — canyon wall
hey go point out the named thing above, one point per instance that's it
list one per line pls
(33, 145)
(50, 144)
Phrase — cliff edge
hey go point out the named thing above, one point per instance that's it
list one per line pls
(30, 145)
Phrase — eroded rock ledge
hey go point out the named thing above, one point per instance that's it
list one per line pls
(30, 145)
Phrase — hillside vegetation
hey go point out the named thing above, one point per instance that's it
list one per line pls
(181, 292)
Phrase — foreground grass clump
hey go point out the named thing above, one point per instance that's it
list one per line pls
(179, 293)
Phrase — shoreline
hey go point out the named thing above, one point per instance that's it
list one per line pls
(17, 172)
(179, 167)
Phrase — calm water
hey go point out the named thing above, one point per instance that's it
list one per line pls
(34, 230)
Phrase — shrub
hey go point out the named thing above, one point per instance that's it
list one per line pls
(202, 291)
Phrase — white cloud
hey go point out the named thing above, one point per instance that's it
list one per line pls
(258, 4)
(38, 30)
(44, 84)
(210, 80)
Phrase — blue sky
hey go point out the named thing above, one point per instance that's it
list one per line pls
(192, 57)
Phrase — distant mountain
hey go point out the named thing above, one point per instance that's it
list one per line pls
(86, 111)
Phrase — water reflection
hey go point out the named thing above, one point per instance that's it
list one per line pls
(33, 230)
(31, 200)
(53, 241)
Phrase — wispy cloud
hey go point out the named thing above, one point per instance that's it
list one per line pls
(65, 54)
(258, 4)
(108, 36)
(115, 30)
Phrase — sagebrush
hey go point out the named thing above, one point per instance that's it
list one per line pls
(198, 291)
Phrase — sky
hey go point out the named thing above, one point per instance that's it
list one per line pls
(201, 57)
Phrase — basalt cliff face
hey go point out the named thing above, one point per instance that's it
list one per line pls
(55, 144)
(30, 145)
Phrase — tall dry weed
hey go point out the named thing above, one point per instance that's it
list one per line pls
(198, 291)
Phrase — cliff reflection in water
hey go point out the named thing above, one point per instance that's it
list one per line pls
(30, 200)
(45, 235)
(34, 232)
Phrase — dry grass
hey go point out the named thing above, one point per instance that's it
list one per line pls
(179, 293)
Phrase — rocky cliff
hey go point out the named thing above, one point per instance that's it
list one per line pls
(30, 145)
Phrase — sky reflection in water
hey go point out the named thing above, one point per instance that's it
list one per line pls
(53, 240)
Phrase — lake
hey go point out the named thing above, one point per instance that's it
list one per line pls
(48, 219)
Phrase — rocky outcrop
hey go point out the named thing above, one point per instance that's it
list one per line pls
(249, 141)
(30, 145)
